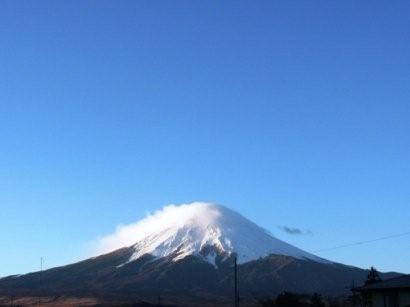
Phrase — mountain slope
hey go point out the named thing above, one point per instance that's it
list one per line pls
(190, 281)
(185, 254)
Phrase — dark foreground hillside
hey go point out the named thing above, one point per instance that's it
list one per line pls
(188, 282)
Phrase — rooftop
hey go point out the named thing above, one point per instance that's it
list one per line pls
(402, 282)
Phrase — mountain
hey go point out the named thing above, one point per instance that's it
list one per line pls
(185, 254)
(192, 229)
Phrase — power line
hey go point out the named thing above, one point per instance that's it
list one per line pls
(363, 242)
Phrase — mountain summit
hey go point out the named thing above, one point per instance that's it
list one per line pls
(202, 229)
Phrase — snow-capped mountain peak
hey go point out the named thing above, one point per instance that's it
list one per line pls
(191, 229)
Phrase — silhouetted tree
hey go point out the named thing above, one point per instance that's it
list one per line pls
(338, 302)
(373, 276)
(285, 299)
(317, 301)
(267, 302)
(288, 299)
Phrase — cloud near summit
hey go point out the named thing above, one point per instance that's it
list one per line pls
(169, 216)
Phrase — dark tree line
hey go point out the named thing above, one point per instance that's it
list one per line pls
(288, 299)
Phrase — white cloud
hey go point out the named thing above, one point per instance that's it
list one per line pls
(200, 213)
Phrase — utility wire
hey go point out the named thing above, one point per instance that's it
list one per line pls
(363, 242)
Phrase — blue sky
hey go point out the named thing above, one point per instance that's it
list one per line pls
(294, 113)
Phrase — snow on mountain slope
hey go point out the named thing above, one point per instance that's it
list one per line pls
(190, 229)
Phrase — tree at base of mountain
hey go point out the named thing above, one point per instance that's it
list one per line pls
(289, 299)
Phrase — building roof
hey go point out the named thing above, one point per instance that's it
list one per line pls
(402, 282)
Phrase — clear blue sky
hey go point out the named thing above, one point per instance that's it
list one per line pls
(294, 113)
